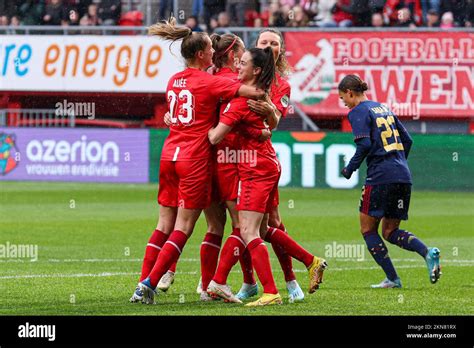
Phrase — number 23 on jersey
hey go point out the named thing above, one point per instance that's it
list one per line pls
(181, 107)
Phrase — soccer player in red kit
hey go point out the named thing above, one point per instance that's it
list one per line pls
(280, 95)
(259, 175)
(185, 167)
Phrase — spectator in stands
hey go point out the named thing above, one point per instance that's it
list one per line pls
(297, 17)
(458, 9)
(110, 11)
(54, 13)
(192, 23)
(447, 20)
(213, 24)
(4, 20)
(341, 13)
(427, 5)
(377, 20)
(324, 18)
(310, 8)
(404, 18)
(393, 7)
(72, 18)
(212, 8)
(470, 14)
(31, 12)
(236, 11)
(276, 18)
(223, 20)
(432, 19)
(90, 19)
(15, 21)
(82, 6)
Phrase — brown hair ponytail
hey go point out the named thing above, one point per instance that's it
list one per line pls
(353, 83)
(263, 59)
(192, 41)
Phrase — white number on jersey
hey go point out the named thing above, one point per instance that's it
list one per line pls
(181, 107)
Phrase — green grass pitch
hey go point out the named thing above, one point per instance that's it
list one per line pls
(91, 239)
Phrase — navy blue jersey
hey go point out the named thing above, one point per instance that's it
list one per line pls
(387, 144)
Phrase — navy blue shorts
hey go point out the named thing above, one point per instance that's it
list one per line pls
(386, 200)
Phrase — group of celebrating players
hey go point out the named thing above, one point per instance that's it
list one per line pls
(227, 100)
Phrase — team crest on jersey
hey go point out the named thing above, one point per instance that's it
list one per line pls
(226, 108)
(285, 101)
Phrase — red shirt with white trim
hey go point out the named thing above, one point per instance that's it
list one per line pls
(258, 158)
(193, 96)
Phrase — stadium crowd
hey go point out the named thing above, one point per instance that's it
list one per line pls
(214, 14)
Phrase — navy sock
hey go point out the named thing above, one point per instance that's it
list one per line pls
(408, 241)
(379, 252)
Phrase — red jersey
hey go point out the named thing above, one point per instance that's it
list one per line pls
(280, 94)
(193, 96)
(258, 158)
(230, 138)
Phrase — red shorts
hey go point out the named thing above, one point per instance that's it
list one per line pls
(258, 194)
(185, 184)
(227, 181)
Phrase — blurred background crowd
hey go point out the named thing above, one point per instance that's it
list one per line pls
(211, 14)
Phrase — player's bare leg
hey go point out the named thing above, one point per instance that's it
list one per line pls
(369, 228)
(171, 250)
(210, 247)
(392, 233)
(165, 225)
(250, 222)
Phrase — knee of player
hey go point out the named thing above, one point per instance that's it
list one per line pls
(386, 234)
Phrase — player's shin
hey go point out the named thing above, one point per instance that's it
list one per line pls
(379, 252)
(170, 252)
(209, 253)
(231, 252)
(155, 243)
(281, 241)
(408, 241)
(261, 261)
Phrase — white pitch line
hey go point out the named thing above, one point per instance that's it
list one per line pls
(112, 274)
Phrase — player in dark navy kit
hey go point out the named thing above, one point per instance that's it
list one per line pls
(384, 142)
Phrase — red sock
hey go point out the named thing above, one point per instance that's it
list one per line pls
(155, 243)
(210, 248)
(282, 240)
(247, 267)
(169, 254)
(261, 261)
(233, 248)
(173, 267)
(286, 263)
